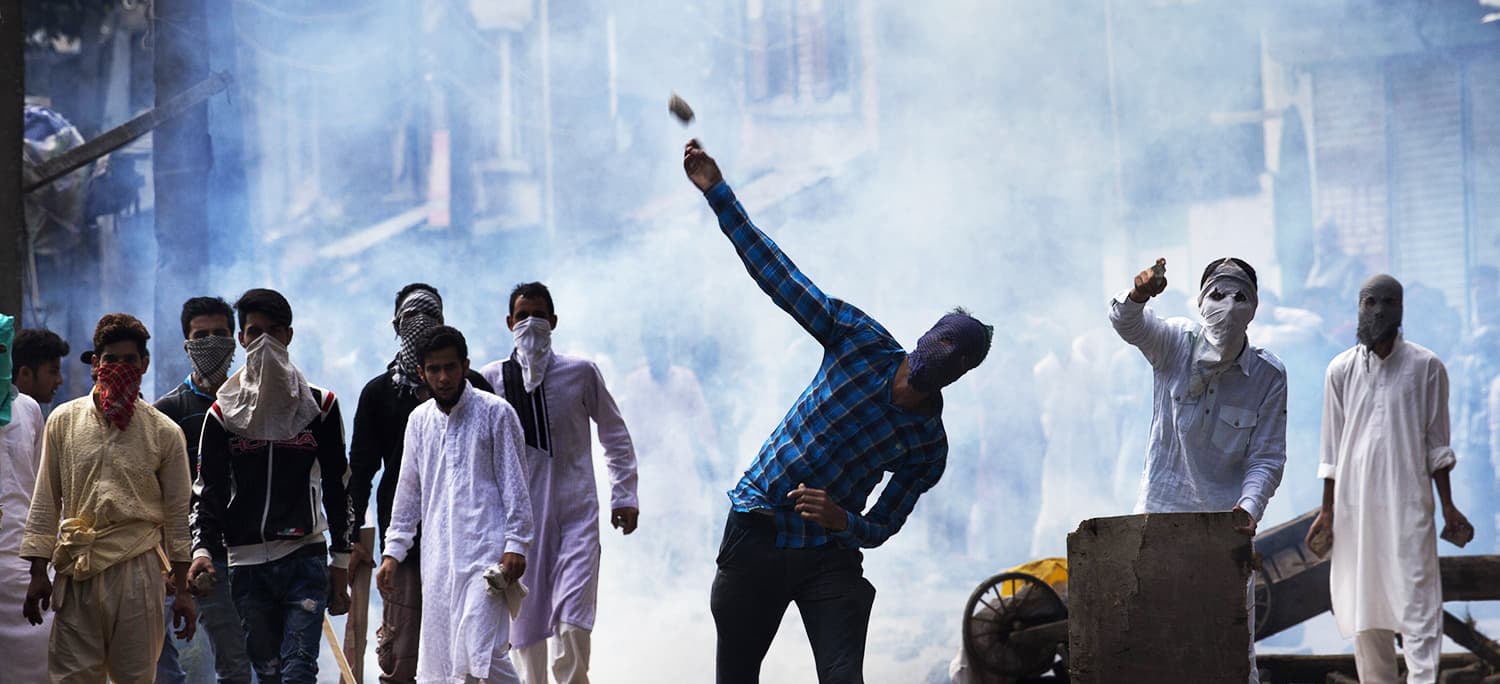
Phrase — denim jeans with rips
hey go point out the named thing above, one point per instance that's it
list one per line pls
(281, 606)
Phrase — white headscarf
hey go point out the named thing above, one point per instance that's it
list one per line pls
(1222, 335)
(533, 350)
(268, 398)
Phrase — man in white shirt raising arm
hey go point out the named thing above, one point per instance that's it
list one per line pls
(1218, 427)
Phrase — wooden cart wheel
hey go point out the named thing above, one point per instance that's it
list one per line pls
(1262, 606)
(1000, 606)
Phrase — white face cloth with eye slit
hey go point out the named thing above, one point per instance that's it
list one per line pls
(1227, 304)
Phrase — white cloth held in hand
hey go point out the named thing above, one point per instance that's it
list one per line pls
(499, 585)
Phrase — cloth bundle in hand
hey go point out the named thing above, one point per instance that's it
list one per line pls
(500, 586)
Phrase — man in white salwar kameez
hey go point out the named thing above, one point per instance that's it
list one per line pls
(463, 483)
(1385, 440)
(25, 646)
(556, 397)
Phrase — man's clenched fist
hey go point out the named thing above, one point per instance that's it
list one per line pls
(700, 168)
(1150, 282)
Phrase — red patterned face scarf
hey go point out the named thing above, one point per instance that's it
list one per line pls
(117, 385)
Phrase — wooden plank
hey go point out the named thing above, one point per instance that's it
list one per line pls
(123, 134)
(1289, 669)
(1466, 635)
(1470, 578)
(1041, 635)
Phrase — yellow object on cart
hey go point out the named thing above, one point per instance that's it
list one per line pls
(1052, 571)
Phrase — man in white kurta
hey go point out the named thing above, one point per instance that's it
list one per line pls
(463, 484)
(1385, 441)
(20, 454)
(556, 396)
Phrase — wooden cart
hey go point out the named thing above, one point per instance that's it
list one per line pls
(1015, 627)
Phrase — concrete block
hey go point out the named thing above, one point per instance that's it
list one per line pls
(1158, 597)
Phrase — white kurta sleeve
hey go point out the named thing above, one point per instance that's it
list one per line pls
(1436, 439)
(406, 510)
(509, 444)
(1138, 325)
(1267, 452)
(619, 453)
(1333, 422)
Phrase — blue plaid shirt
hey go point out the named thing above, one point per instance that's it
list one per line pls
(844, 432)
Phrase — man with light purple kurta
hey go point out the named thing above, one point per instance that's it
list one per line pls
(556, 396)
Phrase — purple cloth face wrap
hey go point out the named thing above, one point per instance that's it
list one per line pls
(955, 345)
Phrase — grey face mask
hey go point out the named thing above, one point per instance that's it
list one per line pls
(1380, 310)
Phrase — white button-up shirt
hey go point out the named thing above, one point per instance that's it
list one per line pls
(1223, 449)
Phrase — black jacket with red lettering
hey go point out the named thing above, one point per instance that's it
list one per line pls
(263, 500)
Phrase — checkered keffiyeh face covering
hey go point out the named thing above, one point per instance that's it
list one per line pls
(211, 357)
(420, 311)
(118, 386)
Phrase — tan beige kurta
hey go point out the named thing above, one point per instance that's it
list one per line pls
(104, 498)
(127, 490)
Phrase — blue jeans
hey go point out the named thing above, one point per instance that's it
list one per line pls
(168, 670)
(281, 606)
(219, 622)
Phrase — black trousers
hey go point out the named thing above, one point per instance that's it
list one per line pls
(755, 583)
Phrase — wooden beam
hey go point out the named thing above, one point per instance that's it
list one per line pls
(123, 134)
(1043, 635)
(1463, 633)
(1295, 669)
(1470, 578)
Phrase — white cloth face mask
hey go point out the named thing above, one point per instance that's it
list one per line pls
(533, 350)
(268, 398)
(1227, 305)
(1227, 311)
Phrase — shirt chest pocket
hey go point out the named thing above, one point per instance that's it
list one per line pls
(1233, 429)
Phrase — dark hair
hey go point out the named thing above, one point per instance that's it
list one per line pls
(36, 346)
(264, 301)
(531, 291)
(120, 327)
(440, 338)
(1214, 265)
(413, 288)
(205, 306)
